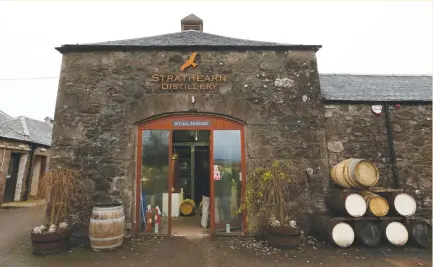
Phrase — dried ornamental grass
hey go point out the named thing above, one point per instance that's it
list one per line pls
(60, 189)
(269, 192)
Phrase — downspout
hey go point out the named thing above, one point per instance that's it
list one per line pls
(391, 146)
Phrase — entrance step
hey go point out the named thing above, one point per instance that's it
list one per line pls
(22, 204)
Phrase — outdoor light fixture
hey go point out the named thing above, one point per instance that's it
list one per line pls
(377, 109)
(193, 104)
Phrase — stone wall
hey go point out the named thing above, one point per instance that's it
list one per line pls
(102, 96)
(412, 129)
(352, 130)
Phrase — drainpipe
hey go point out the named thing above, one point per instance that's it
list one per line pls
(391, 146)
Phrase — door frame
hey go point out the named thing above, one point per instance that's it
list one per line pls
(165, 123)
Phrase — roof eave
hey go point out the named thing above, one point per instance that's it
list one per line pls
(29, 142)
(91, 48)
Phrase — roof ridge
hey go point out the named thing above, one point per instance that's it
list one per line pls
(24, 125)
(7, 115)
(191, 30)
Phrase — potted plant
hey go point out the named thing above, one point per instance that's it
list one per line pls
(60, 190)
(271, 193)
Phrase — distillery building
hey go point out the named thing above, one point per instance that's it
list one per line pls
(155, 120)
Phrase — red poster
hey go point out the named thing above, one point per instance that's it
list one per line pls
(216, 175)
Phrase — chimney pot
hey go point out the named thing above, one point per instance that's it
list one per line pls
(49, 120)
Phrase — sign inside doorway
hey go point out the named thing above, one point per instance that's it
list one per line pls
(189, 82)
(216, 173)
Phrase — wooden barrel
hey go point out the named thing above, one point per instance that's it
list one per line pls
(187, 207)
(334, 232)
(345, 203)
(402, 204)
(395, 232)
(341, 234)
(367, 233)
(355, 173)
(376, 205)
(107, 226)
(420, 234)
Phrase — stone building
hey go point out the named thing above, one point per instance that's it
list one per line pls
(125, 108)
(401, 136)
(24, 156)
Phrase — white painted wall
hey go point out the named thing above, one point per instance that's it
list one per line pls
(20, 178)
(35, 176)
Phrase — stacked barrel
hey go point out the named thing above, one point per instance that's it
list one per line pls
(364, 214)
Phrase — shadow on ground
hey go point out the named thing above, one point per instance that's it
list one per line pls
(209, 252)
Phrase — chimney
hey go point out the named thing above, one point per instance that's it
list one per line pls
(49, 120)
(191, 22)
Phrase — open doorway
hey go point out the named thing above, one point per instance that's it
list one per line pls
(11, 178)
(191, 181)
(174, 154)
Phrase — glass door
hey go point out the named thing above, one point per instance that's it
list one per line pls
(154, 182)
(227, 181)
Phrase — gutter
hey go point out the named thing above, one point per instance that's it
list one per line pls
(391, 146)
(92, 48)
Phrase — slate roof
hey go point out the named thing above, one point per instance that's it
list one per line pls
(4, 117)
(190, 39)
(346, 87)
(27, 130)
(191, 18)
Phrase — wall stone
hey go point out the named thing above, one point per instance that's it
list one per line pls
(352, 130)
(412, 129)
(102, 96)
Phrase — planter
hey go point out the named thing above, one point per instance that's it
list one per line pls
(281, 241)
(283, 237)
(50, 243)
(284, 231)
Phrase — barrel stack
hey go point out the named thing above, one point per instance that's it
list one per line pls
(368, 215)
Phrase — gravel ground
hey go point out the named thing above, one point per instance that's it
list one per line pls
(239, 252)
(15, 251)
